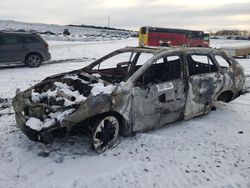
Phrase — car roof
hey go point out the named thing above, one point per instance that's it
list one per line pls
(156, 50)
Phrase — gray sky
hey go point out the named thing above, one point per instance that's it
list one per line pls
(131, 14)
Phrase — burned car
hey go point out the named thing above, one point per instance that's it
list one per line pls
(129, 90)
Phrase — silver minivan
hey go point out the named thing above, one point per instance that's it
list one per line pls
(23, 47)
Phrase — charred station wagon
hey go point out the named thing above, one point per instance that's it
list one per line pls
(129, 90)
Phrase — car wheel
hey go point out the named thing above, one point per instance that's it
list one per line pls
(105, 133)
(33, 60)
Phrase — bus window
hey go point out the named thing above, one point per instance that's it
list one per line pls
(143, 30)
(206, 37)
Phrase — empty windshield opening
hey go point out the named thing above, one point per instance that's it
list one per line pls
(120, 66)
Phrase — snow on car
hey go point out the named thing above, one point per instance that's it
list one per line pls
(129, 90)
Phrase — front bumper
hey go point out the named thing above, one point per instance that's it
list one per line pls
(20, 104)
(44, 136)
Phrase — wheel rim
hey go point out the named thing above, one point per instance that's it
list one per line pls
(105, 134)
(34, 60)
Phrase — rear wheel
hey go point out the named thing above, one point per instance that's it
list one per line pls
(164, 45)
(105, 133)
(33, 60)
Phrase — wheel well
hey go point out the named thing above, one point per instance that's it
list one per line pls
(33, 53)
(226, 96)
(199, 46)
(122, 121)
(165, 44)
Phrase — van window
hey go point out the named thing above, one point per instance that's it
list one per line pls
(29, 39)
(143, 30)
(11, 39)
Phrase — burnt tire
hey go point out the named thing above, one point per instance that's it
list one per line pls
(33, 60)
(105, 133)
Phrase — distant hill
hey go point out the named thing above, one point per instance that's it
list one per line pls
(100, 27)
(233, 33)
(77, 32)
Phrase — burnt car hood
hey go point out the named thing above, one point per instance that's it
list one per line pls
(47, 103)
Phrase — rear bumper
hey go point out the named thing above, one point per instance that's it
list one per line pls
(46, 56)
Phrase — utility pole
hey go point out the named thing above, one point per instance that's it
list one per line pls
(108, 21)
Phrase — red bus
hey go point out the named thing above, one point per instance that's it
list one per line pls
(156, 36)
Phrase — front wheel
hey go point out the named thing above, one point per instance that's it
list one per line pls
(33, 60)
(105, 133)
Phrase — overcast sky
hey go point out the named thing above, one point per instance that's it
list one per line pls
(210, 15)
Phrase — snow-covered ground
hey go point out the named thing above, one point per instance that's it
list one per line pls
(208, 151)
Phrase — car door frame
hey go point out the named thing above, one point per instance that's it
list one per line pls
(203, 89)
(147, 115)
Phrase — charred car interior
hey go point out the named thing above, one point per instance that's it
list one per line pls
(129, 90)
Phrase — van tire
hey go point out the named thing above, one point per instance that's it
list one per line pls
(33, 60)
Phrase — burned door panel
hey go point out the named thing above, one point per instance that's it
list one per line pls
(205, 82)
(159, 104)
(143, 108)
(172, 108)
(161, 97)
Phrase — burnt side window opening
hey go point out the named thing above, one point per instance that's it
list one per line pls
(164, 69)
(198, 64)
(224, 63)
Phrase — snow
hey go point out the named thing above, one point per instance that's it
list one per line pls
(99, 88)
(207, 151)
(62, 89)
(34, 123)
(37, 124)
